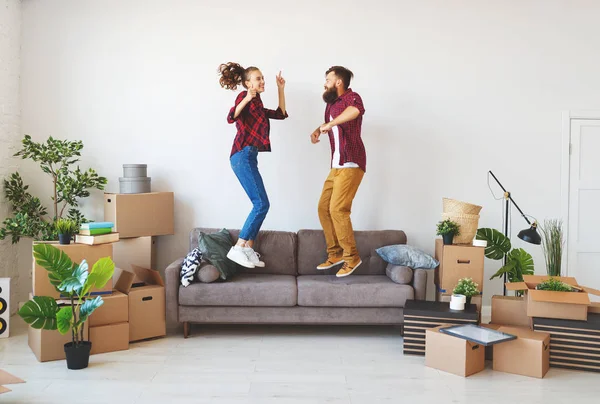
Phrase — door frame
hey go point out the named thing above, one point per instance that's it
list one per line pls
(567, 117)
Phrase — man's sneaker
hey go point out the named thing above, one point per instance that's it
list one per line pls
(254, 257)
(239, 256)
(330, 263)
(347, 269)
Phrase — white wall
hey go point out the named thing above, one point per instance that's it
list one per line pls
(451, 89)
(10, 130)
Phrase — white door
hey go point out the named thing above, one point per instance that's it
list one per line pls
(583, 249)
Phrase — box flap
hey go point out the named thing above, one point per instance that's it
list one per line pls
(591, 291)
(148, 276)
(125, 281)
(516, 286)
(549, 296)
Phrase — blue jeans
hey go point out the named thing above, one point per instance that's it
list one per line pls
(245, 166)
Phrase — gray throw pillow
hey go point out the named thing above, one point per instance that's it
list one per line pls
(405, 255)
(208, 273)
(214, 248)
(399, 274)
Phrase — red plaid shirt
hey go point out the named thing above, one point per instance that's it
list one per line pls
(352, 149)
(253, 124)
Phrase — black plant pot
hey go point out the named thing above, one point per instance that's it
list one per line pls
(447, 238)
(78, 356)
(468, 303)
(64, 239)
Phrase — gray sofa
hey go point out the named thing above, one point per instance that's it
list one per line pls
(290, 290)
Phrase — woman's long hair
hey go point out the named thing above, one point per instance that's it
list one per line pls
(233, 74)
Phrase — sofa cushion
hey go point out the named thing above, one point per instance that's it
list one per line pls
(351, 291)
(243, 290)
(312, 251)
(277, 250)
(399, 274)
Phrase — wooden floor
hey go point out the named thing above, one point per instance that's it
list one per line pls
(283, 364)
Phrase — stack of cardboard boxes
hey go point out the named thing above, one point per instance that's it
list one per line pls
(135, 309)
(457, 261)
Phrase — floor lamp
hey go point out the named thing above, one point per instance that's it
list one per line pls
(529, 235)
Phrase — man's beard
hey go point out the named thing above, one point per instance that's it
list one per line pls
(330, 95)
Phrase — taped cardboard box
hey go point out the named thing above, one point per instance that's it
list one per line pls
(109, 338)
(528, 355)
(510, 311)
(140, 251)
(147, 311)
(140, 215)
(115, 309)
(453, 355)
(49, 345)
(77, 253)
(457, 262)
(550, 304)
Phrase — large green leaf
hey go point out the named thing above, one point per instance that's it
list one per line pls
(498, 244)
(75, 282)
(508, 269)
(88, 308)
(65, 319)
(523, 262)
(101, 273)
(55, 261)
(40, 313)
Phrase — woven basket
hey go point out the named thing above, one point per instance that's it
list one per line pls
(454, 206)
(468, 226)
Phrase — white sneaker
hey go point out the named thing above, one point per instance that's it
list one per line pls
(254, 257)
(239, 256)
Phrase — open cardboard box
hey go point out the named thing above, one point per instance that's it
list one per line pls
(147, 311)
(550, 304)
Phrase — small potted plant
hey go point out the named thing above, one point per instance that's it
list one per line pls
(65, 229)
(467, 288)
(448, 229)
(555, 285)
(74, 282)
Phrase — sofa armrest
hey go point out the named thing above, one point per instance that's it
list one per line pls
(419, 284)
(172, 283)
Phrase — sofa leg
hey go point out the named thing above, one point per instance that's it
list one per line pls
(186, 329)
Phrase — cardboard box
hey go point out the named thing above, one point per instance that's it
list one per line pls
(549, 304)
(594, 307)
(77, 253)
(452, 354)
(109, 338)
(510, 311)
(49, 345)
(147, 312)
(476, 300)
(140, 215)
(114, 310)
(489, 350)
(528, 355)
(457, 262)
(140, 251)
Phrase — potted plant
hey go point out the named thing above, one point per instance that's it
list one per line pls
(65, 228)
(552, 245)
(74, 282)
(448, 229)
(29, 217)
(467, 288)
(518, 261)
(555, 285)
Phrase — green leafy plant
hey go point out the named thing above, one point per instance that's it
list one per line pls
(66, 226)
(467, 287)
(30, 217)
(552, 244)
(72, 281)
(518, 261)
(555, 285)
(448, 227)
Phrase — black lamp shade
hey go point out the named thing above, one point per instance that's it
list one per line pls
(530, 236)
